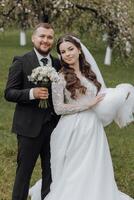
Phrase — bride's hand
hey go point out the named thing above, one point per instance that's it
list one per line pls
(96, 100)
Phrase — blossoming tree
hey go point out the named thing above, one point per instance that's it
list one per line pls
(111, 18)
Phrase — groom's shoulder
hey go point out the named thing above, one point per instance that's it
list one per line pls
(23, 57)
(56, 62)
(54, 58)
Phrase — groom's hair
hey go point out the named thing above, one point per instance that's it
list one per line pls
(43, 25)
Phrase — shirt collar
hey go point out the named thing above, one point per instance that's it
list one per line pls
(39, 56)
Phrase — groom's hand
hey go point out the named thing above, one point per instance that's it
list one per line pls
(40, 93)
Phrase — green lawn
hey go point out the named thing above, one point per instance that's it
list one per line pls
(121, 140)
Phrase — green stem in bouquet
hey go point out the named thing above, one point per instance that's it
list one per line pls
(43, 103)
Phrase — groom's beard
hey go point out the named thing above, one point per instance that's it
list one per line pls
(44, 53)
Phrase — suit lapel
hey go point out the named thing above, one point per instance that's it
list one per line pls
(32, 58)
(55, 63)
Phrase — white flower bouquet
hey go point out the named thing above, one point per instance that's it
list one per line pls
(43, 76)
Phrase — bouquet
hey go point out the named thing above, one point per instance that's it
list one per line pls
(43, 76)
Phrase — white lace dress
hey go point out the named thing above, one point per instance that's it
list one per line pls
(80, 159)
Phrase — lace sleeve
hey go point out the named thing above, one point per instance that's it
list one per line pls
(60, 107)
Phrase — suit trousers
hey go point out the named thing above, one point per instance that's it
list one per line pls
(29, 149)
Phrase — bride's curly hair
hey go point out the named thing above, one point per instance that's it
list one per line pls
(72, 81)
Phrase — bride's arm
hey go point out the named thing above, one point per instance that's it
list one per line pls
(62, 108)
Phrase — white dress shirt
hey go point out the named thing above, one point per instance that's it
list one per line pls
(39, 56)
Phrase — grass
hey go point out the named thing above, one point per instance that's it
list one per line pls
(121, 141)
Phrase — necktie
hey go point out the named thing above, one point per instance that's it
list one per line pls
(44, 61)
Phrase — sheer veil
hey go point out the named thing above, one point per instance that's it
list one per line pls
(118, 106)
(90, 59)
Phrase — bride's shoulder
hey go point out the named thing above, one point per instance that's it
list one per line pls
(61, 74)
(62, 78)
(61, 81)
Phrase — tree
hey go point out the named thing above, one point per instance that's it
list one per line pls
(110, 17)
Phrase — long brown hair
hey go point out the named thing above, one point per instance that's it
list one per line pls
(72, 81)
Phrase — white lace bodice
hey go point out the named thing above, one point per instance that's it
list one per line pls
(62, 101)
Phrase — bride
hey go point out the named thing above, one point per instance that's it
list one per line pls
(80, 158)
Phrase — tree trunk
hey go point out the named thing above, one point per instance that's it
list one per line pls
(22, 38)
(108, 56)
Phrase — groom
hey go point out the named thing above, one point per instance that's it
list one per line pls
(32, 125)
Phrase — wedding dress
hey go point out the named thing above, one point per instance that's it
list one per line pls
(80, 158)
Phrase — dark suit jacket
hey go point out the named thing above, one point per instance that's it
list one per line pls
(28, 117)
